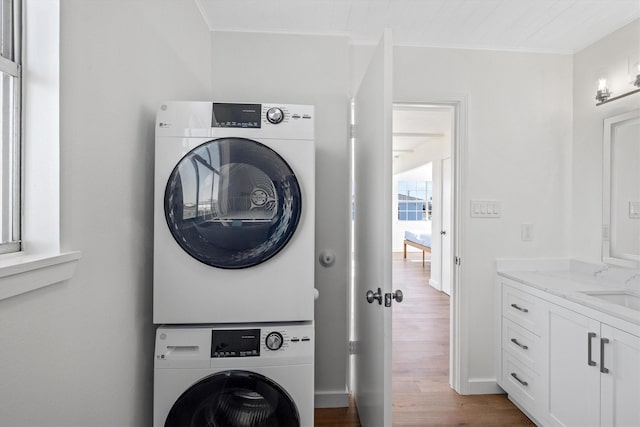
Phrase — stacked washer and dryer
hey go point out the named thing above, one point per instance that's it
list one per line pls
(234, 264)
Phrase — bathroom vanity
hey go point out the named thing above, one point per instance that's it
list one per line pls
(568, 341)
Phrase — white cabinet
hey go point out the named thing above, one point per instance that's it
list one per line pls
(522, 353)
(564, 367)
(574, 377)
(620, 386)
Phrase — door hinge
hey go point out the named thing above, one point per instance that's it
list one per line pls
(352, 347)
(457, 260)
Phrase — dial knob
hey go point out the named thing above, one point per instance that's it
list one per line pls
(275, 115)
(274, 340)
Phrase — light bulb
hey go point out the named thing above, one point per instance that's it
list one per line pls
(602, 84)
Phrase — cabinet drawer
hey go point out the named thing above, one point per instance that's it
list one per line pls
(522, 384)
(523, 309)
(522, 344)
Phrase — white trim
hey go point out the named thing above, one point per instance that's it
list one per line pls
(331, 399)
(21, 273)
(435, 284)
(483, 386)
(41, 263)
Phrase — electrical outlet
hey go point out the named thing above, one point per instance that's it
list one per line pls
(526, 232)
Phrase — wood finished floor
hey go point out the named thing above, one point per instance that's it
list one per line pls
(421, 392)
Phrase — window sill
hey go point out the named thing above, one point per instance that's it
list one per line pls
(20, 273)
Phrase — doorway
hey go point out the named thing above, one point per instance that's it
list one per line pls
(423, 140)
(423, 144)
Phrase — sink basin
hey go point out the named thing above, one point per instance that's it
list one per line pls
(627, 299)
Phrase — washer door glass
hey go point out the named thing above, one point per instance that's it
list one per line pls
(234, 399)
(232, 203)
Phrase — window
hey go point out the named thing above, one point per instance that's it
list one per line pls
(10, 85)
(414, 200)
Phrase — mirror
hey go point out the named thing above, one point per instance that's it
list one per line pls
(621, 190)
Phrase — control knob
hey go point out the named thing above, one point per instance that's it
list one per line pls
(274, 341)
(275, 115)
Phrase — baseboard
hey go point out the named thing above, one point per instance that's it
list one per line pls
(331, 399)
(483, 386)
(435, 284)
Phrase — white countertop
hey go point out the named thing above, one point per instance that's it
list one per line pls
(569, 279)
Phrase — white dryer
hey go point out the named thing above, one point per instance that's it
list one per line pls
(234, 375)
(233, 213)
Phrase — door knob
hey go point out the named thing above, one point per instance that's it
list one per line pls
(443, 232)
(372, 297)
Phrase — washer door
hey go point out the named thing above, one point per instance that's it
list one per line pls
(234, 399)
(232, 203)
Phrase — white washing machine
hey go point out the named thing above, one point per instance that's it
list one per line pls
(234, 375)
(234, 213)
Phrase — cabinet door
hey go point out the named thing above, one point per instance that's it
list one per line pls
(574, 384)
(621, 380)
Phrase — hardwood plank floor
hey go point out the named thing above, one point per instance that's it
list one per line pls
(421, 392)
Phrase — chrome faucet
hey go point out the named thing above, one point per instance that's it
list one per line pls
(630, 279)
(600, 272)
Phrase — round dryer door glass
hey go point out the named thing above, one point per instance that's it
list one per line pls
(232, 203)
(234, 399)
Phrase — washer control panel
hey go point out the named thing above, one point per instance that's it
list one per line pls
(226, 345)
(235, 342)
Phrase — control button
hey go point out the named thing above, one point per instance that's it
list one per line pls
(274, 341)
(275, 115)
(295, 339)
(306, 116)
(295, 116)
(306, 339)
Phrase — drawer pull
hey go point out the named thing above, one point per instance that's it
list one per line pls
(590, 336)
(603, 341)
(522, 346)
(514, 375)
(517, 307)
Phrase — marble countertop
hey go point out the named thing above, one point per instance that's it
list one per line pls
(570, 280)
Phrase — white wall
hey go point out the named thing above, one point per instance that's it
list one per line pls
(80, 353)
(605, 58)
(518, 148)
(306, 70)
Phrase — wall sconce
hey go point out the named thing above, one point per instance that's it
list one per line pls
(603, 91)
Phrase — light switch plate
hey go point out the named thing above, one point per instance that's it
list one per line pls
(486, 208)
(634, 210)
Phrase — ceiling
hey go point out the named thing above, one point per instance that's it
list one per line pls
(415, 126)
(560, 26)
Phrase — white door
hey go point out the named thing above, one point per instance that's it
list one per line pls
(574, 372)
(372, 239)
(621, 380)
(445, 232)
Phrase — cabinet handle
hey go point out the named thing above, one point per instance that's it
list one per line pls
(603, 341)
(590, 336)
(517, 307)
(524, 383)
(522, 346)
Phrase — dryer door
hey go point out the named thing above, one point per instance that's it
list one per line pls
(232, 203)
(234, 399)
